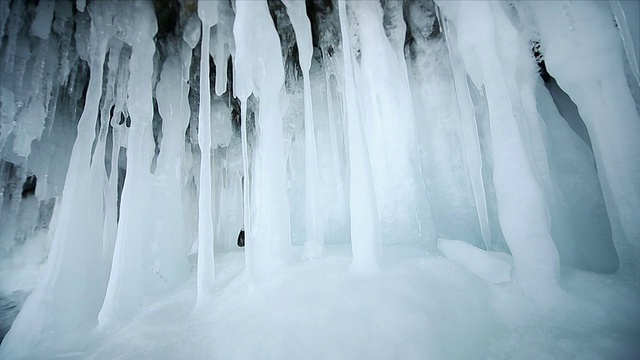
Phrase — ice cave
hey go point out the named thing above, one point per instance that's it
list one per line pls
(319, 179)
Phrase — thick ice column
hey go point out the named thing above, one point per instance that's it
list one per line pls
(302, 27)
(130, 270)
(169, 254)
(523, 214)
(71, 293)
(577, 39)
(389, 124)
(208, 13)
(362, 197)
(259, 69)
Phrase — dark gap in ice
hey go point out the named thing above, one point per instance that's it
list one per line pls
(166, 11)
(9, 307)
(109, 142)
(29, 186)
(122, 174)
(156, 126)
(569, 110)
(288, 43)
(241, 238)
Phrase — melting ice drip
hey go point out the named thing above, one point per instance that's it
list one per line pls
(369, 122)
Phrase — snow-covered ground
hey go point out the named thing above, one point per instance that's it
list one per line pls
(418, 306)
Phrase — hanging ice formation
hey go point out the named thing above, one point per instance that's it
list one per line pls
(143, 135)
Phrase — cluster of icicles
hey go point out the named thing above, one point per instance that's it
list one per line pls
(398, 122)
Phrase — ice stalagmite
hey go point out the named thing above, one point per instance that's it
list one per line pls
(130, 270)
(362, 196)
(522, 210)
(302, 27)
(208, 13)
(259, 70)
(580, 38)
(74, 276)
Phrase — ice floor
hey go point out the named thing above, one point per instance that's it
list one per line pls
(418, 306)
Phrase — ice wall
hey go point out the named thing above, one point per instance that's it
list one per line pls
(141, 142)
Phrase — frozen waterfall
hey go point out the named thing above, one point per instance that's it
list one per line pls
(242, 179)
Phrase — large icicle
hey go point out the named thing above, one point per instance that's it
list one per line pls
(470, 136)
(389, 124)
(131, 272)
(580, 38)
(302, 27)
(362, 196)
(222, 45)
(169, 257)
(259, 70)
(70, 295)
(208, 13)
(522, 210)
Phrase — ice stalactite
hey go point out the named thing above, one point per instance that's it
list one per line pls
(75, 275)
(365, 240)
(130, 279)
(208, 13)
(302, 27)
(579, 38)
(170, 264)
(484, 53)
(389, 125)
(222, 45)
(471, 142)
(259, 70)
(98, 174)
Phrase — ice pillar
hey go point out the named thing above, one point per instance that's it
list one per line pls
(580, 38)
(362, 197)
(485, 40)
(208, 13)
(259, 70)
(302, 27)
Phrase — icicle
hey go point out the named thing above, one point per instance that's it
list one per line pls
(470, 135)
(7, 114)
(222, 43)
(364, 214)
(208, 13)
(246, 186)
(521, 205)
(170, 261)
(73, 279)
(13, 28)
(81, 4)
(4, 15)
(389, 124)
(302, 27)
(41, 26)
(130, 279)
(192, 31)
(625, 34)
(258, 61)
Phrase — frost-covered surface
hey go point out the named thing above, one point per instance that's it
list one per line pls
(349, 140)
